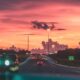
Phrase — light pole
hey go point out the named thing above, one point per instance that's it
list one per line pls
(28, 40)
(48, 30)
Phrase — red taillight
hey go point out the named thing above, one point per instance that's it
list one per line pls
(40, 63)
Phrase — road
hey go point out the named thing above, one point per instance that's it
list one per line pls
(49, 67)
(50, 70)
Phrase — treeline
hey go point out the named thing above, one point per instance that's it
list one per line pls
(67, 57)
(13, 54)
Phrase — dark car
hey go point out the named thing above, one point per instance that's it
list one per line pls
(40, 62)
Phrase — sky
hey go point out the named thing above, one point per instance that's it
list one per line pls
(16, 17)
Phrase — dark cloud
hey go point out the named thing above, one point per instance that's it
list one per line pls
(17, 4)
(11, 1)
(30, 15)
(9, 20)
(40, 1)
(31, 4)
(5, 7)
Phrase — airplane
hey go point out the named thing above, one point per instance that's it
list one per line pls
(43, 25)
(46, 25)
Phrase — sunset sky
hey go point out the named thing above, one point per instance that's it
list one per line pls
(16, 17)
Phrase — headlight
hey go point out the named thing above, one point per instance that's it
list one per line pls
(7, 62)
(15, 68)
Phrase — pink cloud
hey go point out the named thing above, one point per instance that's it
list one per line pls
(15, 20)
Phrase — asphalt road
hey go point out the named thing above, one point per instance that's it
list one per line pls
(49, 67)
(50, 70)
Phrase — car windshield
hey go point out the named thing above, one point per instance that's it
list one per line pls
(39, 39)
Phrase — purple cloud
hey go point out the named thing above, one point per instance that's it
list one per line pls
(31, 4)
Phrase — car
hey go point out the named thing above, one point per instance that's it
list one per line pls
(40, 62)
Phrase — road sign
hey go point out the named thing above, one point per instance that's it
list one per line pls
(71, 58)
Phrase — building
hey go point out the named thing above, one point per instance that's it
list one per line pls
(50, 47)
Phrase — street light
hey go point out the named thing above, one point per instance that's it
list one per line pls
(28, 39)
(48, 30)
